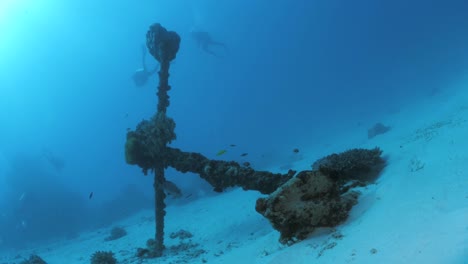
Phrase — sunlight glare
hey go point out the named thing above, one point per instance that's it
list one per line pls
(6, 9)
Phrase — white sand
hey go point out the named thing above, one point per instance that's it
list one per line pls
(416, 213)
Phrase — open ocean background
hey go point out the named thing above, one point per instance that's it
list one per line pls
(296, 74)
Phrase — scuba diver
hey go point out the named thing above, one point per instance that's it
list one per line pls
(205, 42)
(140, 77)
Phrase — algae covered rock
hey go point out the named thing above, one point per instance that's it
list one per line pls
(306, 202)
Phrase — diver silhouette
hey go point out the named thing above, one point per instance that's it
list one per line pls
(140, 77)
(205, 42)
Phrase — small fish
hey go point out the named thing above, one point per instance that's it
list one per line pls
(244, 154)
(246, 164)
(91, 195)
(171, 189)
(221, 152)
(22, 196)
(296, 150)
(233, 145)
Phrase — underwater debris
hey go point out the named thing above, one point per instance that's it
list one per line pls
(147, 145)
(215, 171)
(141, 150)
(377, 129)
(321, 197)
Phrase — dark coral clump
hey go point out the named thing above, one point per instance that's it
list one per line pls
(356, 164)
(116, 233)
(377, 129)
(103, 257)
(33, 259)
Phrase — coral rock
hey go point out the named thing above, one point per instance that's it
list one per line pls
(377, 129)
(306, 202)
(322, 197)
(355, 164)
(103, 257)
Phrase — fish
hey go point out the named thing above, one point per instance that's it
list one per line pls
(221, 152)
(296, 150)
(232, 145)
(244, 154)
(21, 198)
(91, 195)
(171, 189)
(246, 164)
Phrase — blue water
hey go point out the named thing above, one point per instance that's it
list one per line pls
(294, 75)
